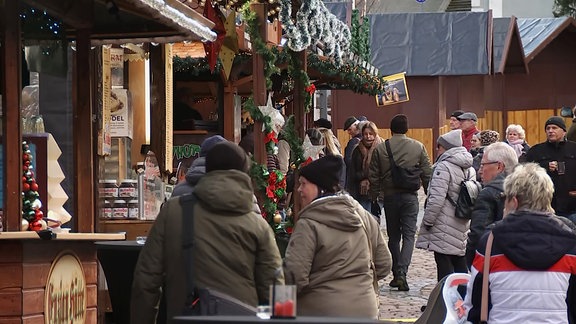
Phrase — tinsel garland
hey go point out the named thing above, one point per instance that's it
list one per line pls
(314, 23)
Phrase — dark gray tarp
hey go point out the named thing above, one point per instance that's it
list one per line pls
(500, 28)
(338, 9)
(452, 43)
(534, 31)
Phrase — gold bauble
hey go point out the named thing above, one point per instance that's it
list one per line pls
(277, 218)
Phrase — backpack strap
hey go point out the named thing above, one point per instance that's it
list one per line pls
(188, 202)
(389, 150)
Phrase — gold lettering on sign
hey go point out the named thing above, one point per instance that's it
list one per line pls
(65, 293)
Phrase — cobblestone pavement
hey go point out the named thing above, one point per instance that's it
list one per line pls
(406, 305)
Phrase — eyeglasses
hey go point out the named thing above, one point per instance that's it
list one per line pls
(486, 163)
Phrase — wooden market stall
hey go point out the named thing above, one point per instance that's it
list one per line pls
(47, 269)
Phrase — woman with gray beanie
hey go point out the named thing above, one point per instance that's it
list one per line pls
(336, 253)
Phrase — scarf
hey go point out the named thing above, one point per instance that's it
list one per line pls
(517, 146)
(367, 154)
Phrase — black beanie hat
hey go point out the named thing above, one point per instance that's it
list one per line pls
(323, 122)
(227, 156)
(324, 172)
(399, 124)
(555, 120)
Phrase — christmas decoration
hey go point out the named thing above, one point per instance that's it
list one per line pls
(229, 45)
(31, 203)
(276, 118)
(314, 23)
(360, 44)
(213, 48)
(311, 151)
(273, 186)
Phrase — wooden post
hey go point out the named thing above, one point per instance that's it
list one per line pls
(259, 85)
(11, 123)
(157, 105)
(300, 120)
(84, 193)
(231, 117)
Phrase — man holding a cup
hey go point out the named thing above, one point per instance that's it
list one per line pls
(558, 156)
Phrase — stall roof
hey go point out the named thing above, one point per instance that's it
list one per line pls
(537, 33)
(508, 53)
(454, 43)
(129, 21)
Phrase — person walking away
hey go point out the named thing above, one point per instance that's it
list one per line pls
(558, 157)
(361, 157)
(336, 253)
(532, 265)
(468, 122)
(400, 205)
(441, 231)
(498, 161)
(234, 248)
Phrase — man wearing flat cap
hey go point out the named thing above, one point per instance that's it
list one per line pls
(558, 156)
(468, 122)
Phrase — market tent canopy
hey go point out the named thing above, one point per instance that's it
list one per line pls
(129, 21)
(424, 44)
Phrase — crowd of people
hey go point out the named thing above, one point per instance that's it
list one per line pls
(337, 252)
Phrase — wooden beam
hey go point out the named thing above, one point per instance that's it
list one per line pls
(242, 81)
(78, 14)
(84, 177)
(10, 72)
(259, 84)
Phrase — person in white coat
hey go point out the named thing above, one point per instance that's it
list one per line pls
(441, 232)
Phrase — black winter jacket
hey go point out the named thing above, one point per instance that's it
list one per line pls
(564, 151)
(488, 209)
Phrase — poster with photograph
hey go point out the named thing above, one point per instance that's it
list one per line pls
(395, 90)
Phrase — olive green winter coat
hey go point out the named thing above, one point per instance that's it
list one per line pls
(234, 249)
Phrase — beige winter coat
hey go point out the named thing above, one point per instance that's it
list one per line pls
(328, 258)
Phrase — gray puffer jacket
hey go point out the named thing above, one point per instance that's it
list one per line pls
(441, 231)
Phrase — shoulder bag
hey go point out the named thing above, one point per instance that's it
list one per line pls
(403, 178)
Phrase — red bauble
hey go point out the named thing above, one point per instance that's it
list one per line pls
(25, 187)
(34, 186)
(35, 226)
(24, 179)
(39, 215)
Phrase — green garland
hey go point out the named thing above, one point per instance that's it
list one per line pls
(300, 75)
(360, 44)
(353, 77)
